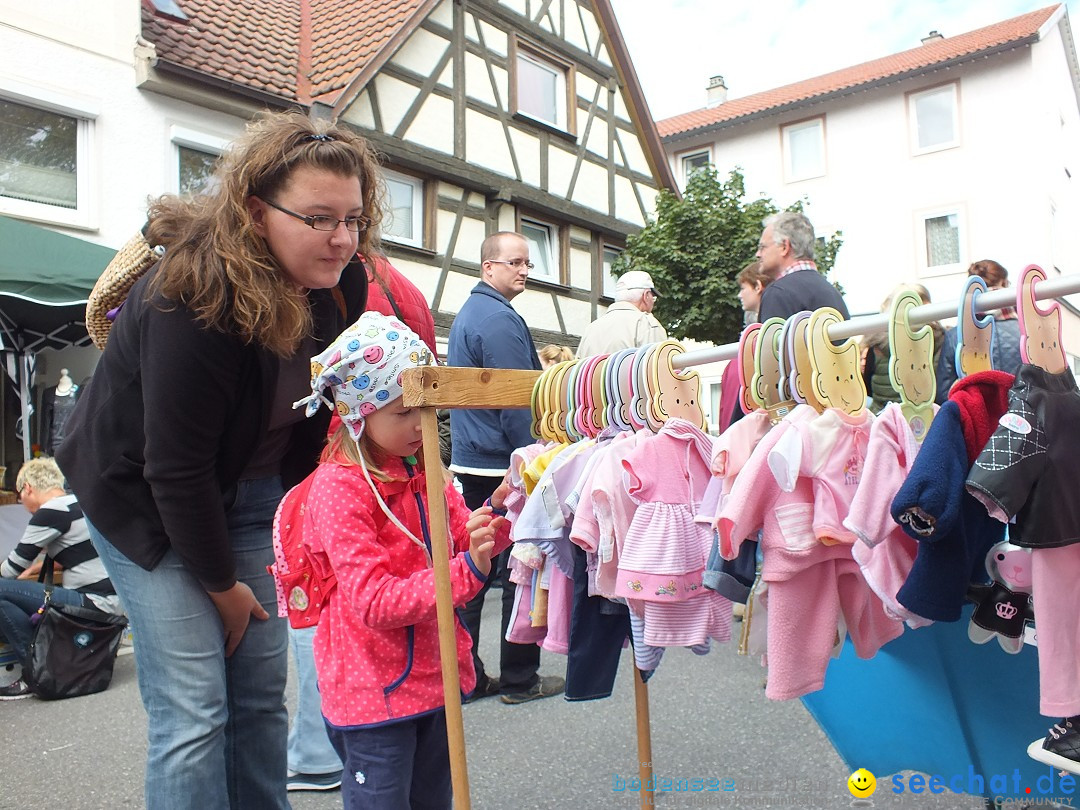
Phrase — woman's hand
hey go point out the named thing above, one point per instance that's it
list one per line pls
(482, 526)
(236, 606)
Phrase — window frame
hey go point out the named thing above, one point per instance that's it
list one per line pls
(557, 246)
(564, 69)
(181, 136)
(922, 218)
(790, 175)
(913, 117)
(607, 280)
(87, 178)
(420, 208)
(683, 157)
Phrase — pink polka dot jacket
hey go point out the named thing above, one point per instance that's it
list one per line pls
(377, 643)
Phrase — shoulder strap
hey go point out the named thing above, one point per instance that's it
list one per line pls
(389, 295)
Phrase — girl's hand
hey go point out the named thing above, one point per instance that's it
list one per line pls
(482, 526)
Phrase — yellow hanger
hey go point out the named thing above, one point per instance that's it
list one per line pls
(747, 349)
(911, 363)
(671, 393)
(836, 379)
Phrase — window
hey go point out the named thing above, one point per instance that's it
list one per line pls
(934, 120)
(942, 238)
(403, 219)
(694, 161)
(195, 154)
(543, 239)
(804, 150)
(543, 90)
(44, 169)
(610, 254)
(196, 169)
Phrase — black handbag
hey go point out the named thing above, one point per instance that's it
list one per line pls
(73, 648)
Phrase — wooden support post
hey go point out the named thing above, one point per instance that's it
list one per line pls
(444, 604)
(445, 387)
(644, 739)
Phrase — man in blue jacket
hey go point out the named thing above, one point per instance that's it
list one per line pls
(489, 333)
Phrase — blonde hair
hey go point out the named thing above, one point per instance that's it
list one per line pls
(215, 263)
(555, 354)
(42, 474)
(341, 449)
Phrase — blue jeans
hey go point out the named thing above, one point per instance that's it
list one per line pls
(216, 725)
(19, 600)
(403, 765)
(310, 750)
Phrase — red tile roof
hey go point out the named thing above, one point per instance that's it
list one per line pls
(1009, 33)
(298, 50)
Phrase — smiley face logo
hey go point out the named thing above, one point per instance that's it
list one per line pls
(862, 784)
(373, 354)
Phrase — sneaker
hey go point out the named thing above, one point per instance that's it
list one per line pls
(15, 691)
(488, 687)
(313, 781)
(1060, 748)
(545, 686)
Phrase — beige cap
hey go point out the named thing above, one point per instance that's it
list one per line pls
(635, 280)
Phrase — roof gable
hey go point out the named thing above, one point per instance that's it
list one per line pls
(930, 55)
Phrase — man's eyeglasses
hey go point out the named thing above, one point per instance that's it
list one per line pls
(517, 264)
(321, 222)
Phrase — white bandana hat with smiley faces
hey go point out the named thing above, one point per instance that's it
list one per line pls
(363, 368)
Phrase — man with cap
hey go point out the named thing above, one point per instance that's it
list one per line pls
(629, 322)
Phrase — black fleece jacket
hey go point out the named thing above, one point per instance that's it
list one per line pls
(170, 420)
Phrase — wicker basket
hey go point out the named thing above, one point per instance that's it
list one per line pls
(128, 265)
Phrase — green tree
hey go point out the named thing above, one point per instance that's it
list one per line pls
(697, 245)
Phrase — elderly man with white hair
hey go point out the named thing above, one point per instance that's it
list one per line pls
(629, 322)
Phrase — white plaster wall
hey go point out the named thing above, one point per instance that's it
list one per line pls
(434, 125)
(580, 269)
(527, 151)
(443, 14)
(1000, 175)
(359, 112)
(577, 315)
(485, 143)
(421, 52)
(132, 155)
(537, 307)
(591, 188)
(478, 81)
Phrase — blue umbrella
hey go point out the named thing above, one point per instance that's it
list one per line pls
(934, 702)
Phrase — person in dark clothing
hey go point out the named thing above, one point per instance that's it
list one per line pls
(185, 440)
(1005, 346)
(489, 333)
(786, 252)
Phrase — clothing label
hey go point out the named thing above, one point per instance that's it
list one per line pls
(1029, 635)
(1015, 423)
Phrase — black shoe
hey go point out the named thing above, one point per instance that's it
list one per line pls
(1060, 748)
(313, 781)
(15, 691)
(545, 686)
(487, 687)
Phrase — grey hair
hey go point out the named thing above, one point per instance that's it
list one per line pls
(633, 296)
(41, 473)
(796, 229)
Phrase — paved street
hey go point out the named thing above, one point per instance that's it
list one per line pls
(710, 718)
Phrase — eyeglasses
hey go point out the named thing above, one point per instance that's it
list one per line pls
(321, 222)
(19, 494)
(517, 264)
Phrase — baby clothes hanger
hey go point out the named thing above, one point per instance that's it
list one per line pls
(836, 379)
(974, 332)
(911, 363)
(671, 393)
(1040, 328)
(766, 380)
(747, 349)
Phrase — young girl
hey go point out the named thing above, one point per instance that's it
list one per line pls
(377, 644)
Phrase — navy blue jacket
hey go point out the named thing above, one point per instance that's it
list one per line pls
(488, 333)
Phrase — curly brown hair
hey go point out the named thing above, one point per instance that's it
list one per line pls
(216, 265)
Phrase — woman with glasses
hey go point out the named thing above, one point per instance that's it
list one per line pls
(185, 440)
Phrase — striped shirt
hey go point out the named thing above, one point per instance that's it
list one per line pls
(59, 529)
